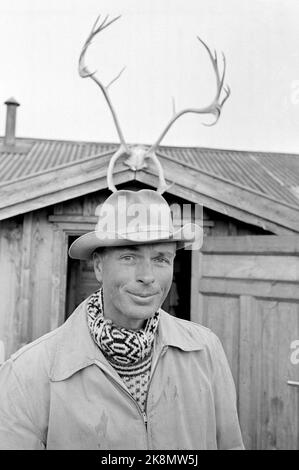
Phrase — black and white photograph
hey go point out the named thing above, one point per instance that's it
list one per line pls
(149, 227)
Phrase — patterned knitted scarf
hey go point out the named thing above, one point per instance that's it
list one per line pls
(128, 351)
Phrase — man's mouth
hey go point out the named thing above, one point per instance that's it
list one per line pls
(142, 295)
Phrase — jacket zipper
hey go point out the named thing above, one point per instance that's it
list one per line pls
(123, 389)
(161, 353)
(141, 412)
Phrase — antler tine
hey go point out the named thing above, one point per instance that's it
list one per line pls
(163, 186)
(223, 73)
(115, 78)
(121, 151)
(214, 60)
(214, 108)
(227, 91)
(84, 72)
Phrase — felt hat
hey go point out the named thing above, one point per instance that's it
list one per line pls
(134, 218)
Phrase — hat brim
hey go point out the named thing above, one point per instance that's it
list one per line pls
(83, 247)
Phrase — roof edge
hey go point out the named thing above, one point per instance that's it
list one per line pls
(179, 147)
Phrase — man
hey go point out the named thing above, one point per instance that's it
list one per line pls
(121, 373)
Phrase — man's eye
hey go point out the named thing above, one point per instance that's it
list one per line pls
(127, 257)
(161, 259)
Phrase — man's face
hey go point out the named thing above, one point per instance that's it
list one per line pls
(136, 280)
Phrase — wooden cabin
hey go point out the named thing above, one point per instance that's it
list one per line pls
(243, 283)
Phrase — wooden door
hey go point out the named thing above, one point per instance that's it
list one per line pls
(247, 292)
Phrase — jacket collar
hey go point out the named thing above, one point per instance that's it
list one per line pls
(178, 333)
(75, 348)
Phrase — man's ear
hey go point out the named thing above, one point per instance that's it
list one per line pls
(97, 266)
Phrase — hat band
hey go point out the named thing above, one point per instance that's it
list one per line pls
(143, 233)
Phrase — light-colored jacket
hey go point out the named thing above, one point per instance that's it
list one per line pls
(60, 392)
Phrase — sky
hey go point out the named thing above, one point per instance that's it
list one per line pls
(41, 40)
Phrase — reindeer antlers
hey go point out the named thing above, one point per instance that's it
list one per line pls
(214, 108)
(138, 155)
(84, 71)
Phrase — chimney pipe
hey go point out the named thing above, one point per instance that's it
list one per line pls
(10, 130)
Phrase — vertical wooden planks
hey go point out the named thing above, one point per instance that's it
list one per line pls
(263, 273)
(24, 310)
(26, 269)
(249, 371)
(287, 426)
(73, 207)
(58, 277)
(41, 261)
(278, 424)
(10, 269)
(220, 314)
(92, 201)
(196, 300)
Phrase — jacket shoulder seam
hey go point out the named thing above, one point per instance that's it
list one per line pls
(34, 344)
(186, 323)
(192, 323)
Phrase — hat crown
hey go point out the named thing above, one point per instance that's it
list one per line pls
(143, 196)
(140, 213)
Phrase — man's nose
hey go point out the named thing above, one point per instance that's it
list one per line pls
(145, 272)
